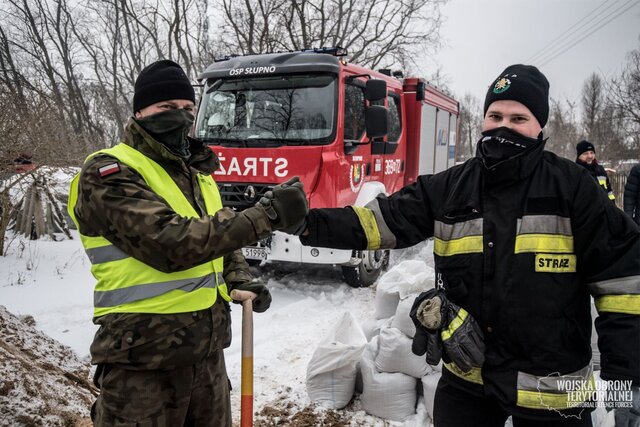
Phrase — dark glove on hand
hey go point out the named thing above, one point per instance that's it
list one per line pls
(262, 301)
(287, 206)
(427, 339)
(462, 338)
(442, 324)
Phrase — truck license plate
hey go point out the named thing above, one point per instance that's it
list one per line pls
(254, 253)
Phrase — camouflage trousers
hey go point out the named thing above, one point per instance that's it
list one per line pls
(197, 395)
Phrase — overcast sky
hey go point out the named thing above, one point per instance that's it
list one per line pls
(482, 37)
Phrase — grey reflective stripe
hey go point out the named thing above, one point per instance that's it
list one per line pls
(134, 293)
(105, 254)
(458, 230)
(629, 285)
(544, 224)
(220, 278)
(550, 383)
(387, 238)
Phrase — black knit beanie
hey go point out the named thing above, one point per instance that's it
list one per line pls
(584, 146)
(524, 84)
(161, 81)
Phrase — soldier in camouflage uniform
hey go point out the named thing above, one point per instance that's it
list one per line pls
(166, 367)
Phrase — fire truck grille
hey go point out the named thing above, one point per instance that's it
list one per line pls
(240, 196)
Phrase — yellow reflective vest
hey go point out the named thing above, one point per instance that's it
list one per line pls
(127, 285)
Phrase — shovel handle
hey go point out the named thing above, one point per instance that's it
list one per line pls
(246, 384)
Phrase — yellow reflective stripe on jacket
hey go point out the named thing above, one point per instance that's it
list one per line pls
(465, 245)
(368, 222)
(459, 238)
(555, 391)
(461, 315)
(474, 375)
(544, 234)
(626, 304)
(128, 285)
(552, 243)
(387, 238)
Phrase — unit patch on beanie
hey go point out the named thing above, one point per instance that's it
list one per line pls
(109, 169)
(502, 85)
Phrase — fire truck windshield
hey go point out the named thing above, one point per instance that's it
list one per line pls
(268, 111)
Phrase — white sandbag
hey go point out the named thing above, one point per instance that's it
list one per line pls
(372, 326)
(395, 355)
(401, 319)
(429, 384)
(331, 373)
(386, 302)
(408, 277)
(390, 396)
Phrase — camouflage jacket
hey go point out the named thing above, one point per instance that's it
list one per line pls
(122, 208)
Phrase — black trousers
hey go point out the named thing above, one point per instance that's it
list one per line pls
(454, 407)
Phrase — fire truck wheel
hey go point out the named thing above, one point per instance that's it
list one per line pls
(367, 272)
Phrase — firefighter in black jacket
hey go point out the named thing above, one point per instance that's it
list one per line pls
(522, 240)
(586, 157)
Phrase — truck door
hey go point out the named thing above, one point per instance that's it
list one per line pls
(392, 158)
(358, 157)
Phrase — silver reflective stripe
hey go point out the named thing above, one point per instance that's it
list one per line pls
(387, 238)
(121, 296)
(551, 383)
(220, 279)
(458, 230)
(105, 254)
(629, 285)
(544, 224)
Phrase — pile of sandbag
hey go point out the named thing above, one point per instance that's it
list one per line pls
(380, 352)
(390, 371)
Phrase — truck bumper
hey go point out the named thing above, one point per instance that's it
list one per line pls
(285, 247)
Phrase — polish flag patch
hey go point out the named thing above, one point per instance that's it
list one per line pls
(109, 169)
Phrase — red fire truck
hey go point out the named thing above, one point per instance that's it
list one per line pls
(348, 132)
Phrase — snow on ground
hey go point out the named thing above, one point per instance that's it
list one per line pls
(51, 281)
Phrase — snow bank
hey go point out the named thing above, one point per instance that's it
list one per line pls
(41, 381)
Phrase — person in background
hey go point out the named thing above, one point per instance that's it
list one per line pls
(586, 157)
(631, 200)
(165, 254)
(522, 241)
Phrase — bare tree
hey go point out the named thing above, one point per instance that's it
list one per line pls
(471, 118)
(624, 93)
(592, 105)
(562, 129)
(376, 34)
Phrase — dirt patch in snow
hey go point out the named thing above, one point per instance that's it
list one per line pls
(288, 415)
(42, 382)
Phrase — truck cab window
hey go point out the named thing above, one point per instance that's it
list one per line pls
(353, 113)
(394, 118)
(269, 111)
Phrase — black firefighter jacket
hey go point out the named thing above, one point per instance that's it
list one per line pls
(522, 246)
(600, 175)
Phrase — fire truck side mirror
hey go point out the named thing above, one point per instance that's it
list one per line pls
(375, 121)
(375, 90)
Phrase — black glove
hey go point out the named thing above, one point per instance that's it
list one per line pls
(287, 206)
(447, 326)
(427, 340)
(262, 301)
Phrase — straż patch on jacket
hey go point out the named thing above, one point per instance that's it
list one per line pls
(555, 263)
(109, 169)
